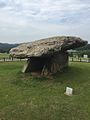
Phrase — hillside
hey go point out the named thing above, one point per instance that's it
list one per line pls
(5, 47)
(87, 47)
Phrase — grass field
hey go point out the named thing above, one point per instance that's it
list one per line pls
(23, 97)
(4, 55)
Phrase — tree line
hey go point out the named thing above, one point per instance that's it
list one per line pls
(81, 51)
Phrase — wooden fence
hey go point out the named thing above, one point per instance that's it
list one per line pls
(71, 59)
(10, 59)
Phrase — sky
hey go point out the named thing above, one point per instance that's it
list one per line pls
(28, 20)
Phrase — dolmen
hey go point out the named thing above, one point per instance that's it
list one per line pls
(46, 56)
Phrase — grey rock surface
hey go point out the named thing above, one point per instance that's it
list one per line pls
(47, 47)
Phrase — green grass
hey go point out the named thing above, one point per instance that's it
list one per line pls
(23, 97)
(4, 55)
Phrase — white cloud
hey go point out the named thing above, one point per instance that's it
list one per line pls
(39, 18)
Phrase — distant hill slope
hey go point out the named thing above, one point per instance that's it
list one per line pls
(5, 47)
(87, 47)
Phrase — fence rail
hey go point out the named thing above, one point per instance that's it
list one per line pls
(10, 59)
(71, 59)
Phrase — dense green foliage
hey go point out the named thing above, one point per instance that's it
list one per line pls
(80, 52)
(84, 51)
(23, 97)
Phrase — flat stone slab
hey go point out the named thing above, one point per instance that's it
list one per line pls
(47, 46)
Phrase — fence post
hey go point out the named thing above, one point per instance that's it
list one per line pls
(12, 58)
(80, 59)
(88, 59)
(4, 59)
(72, 59)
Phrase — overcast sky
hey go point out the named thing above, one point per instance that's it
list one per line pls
(26, 20)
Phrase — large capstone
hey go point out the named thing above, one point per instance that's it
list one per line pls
(47, 56)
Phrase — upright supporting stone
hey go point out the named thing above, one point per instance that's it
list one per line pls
(26, 67)
(46, 65)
